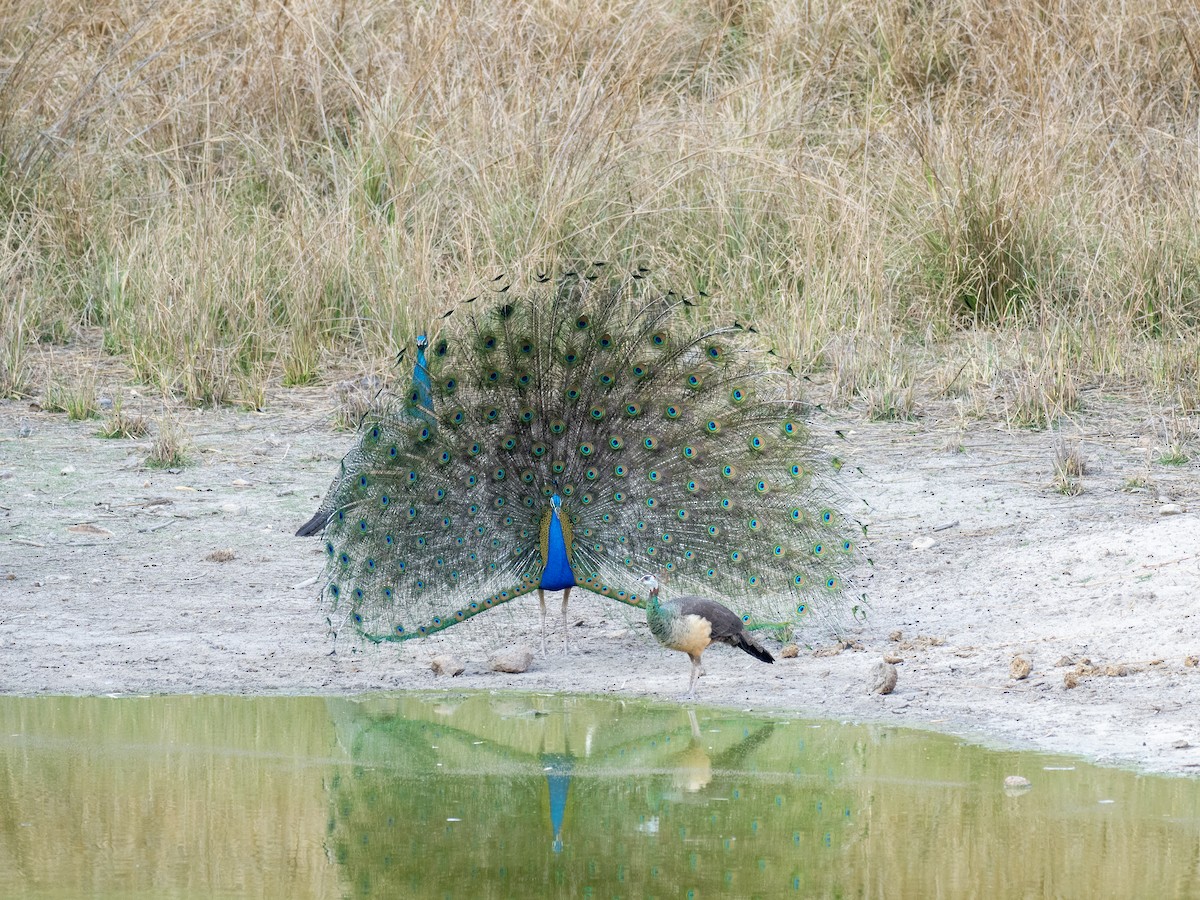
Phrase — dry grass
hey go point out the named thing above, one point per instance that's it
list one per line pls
(1069, 468)
(120, 423)
(169, 449)
(240, 194)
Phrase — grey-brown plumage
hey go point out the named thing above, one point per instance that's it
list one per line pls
(691, 624)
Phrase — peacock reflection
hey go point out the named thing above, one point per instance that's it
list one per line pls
(573, 792)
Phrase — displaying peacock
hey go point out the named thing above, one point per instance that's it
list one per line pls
(577, 436)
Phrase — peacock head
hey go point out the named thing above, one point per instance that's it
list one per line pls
(556, 503)
(422, 342)
(650, 583)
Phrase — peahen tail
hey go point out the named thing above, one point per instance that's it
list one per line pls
(669, 445)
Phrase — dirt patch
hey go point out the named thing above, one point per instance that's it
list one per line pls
(116, 578)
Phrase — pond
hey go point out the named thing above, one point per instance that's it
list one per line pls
(518, 795)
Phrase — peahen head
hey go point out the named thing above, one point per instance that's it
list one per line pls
(650, 584)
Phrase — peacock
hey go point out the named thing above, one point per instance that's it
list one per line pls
(574, 435)
(692, 624)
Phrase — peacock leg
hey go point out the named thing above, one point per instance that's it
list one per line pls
(566, 630)
(542, 603)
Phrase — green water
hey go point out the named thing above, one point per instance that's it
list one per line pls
(503, 795)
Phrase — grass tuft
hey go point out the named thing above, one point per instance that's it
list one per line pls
(122, 424)
(169, 449)
(1069, 468)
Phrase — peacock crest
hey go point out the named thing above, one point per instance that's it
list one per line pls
(581, 434)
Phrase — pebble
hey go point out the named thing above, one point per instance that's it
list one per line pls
(1170, 509)
(789, 651)
(1180, 745)
(445, 664)
(923, 543)
(514, 660)
(1019, 668)
(883, 678)
(67, 470)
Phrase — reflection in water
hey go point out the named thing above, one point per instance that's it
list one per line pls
(505, 795)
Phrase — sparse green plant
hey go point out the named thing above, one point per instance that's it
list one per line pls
(1040, 397)
(1137, 484)
(169, 450)
(1069, 468)
(1173, 455)
(1177, 438)
(77, 399)
(893, 400)
(122, 424)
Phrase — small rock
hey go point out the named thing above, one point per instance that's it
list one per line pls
(105, 403)
(1180, 745)
(1191, 661)
(67, 470)
(893, 658)
(24, 429)
(513, 660)
(883, 678)
(1070, 680)
(1170, 509)
(923, 543)
(240, 482)
(6, 474)
(1065, 661)
(1015, 785)
(220, 556)
(789, 651)
(445, 664)
(1020, 668)
(896, 636)
(1117, 671)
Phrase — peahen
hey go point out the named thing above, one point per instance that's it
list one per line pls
(570, 438)
(692, 624)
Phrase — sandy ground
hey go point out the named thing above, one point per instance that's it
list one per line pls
(105, 584)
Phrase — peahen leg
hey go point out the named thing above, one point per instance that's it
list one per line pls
(542, 603)
(566, 629)
(691, 694)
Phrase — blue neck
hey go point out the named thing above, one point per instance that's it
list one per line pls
(421, 381)
(557, 575)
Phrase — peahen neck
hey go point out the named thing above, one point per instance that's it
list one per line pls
(558, 574)
(656, 616)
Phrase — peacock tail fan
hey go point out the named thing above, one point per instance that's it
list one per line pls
(675, 447)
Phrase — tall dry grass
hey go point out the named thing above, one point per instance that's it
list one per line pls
(238, 193)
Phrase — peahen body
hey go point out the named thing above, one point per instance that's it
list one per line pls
(570, 438)
(692, 624)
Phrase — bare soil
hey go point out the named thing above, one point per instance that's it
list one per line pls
(118, 578)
